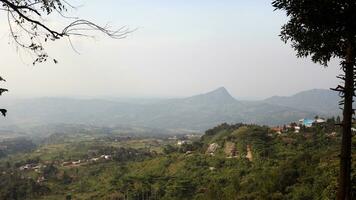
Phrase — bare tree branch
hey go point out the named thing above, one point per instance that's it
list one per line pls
(29, 30)
(27, 16)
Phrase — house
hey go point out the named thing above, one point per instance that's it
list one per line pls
(106, 157)
(320, 121)
(27, 167)
(182, 142)
(76, 162)
(94, 159)
(66, 164)
(306, 122)
(296, 129)
(278, 129)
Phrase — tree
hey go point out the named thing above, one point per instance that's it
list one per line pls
(326, 29)
(68, 197)
(30, 30)
(338, 120)
(50, 171)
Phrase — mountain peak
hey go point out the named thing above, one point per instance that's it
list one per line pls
(219, 95)
(221, 91)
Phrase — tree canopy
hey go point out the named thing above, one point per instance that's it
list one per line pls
(322, 29)
(325, 29)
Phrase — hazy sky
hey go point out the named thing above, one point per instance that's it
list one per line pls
(181, 48)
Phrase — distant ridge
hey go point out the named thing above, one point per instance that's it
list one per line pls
(195, 113)
(320, 101)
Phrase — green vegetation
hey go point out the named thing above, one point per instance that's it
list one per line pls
(280, 166)
(322, 30)
(18, 145)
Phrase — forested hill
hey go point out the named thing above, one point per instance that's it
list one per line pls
(253, 162)
(196, 113)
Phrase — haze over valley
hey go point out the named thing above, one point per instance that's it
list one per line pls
(178, 115)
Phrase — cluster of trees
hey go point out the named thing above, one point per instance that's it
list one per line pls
(16, 145)
(14, 186)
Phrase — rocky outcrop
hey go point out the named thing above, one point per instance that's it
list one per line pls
(212, 148)
(249, 153)
(230, 149)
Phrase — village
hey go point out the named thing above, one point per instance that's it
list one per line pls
(296, 126)
(39, 167)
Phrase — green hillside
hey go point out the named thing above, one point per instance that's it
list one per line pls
(228, 162)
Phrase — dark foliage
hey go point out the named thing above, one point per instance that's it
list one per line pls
(324, 29)
(18, 145)
(15, 187)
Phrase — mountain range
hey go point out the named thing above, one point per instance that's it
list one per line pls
(196, 113)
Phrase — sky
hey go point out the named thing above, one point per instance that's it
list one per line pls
(180, 48)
